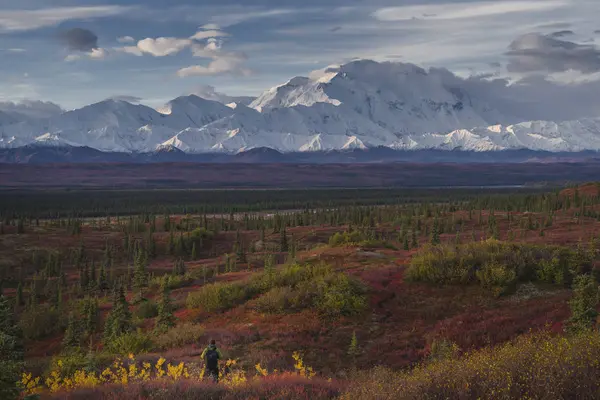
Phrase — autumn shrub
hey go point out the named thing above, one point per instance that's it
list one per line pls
(332, 293)
(172, 281)
(276, 301)
(220, 296)
(40, 321)
(180, 335)
(534, 367)
(146, 309)
(346, 238)
(498, 265)
(267, 388)
(130, 343)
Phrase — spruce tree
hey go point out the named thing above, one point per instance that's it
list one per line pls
(11, 351)
(19, 295)
(165, 318)
(414, 243)
(583, 304)
(140, 275)
(405, 243)
(435, 234)
(71, 338)
(194, 252)
(283, 242)
(118, 321)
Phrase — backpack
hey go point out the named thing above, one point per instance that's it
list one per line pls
(212, 359)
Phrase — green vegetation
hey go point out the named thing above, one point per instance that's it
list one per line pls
(294, 287)
(11, 351)
(498, 265)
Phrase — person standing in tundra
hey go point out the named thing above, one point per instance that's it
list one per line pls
(211, 356)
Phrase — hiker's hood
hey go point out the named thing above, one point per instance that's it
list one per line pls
(212, 346)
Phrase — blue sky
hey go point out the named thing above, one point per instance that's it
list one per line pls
(75, 52)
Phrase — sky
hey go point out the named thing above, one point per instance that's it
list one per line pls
(76, 52)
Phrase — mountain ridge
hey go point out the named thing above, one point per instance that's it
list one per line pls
(359, 105)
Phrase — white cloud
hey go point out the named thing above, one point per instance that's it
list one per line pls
(134, 50)
(24, 20)
(72, 57)
(219, 66)
(125, 39)
(98, 53)
(234, 18)
(94, 54)
(449, 11)
(200, 35)
(163, 46)
(210, 27)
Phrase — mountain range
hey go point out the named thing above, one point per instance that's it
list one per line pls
(359, 105)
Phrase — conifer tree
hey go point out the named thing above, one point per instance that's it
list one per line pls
(118, 321)
(71, 338)
(19, 295)
(283, 242)
(194, 252)
(165, 318)
(11, 351)
(435, 235)
(405, 244)
(414, 243)
(102, 279)
(140, 275)
(583, 304)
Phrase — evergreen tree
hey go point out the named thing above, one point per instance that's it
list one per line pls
(405, 243)
(165, 318)
(435, 234)
(414, 244)
(583, 304)
(179, 267)
(283, 242)
(103, 279)
(11, 352)
(71, 338)
(19, 295)
(118, 320)
(194, 252)
(140, 275)
(171, 244)
(91, 315)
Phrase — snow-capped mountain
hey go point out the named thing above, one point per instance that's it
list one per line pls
(359, 105)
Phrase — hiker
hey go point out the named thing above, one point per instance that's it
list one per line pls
(211, 356)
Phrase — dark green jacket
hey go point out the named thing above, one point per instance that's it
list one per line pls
(211, 347)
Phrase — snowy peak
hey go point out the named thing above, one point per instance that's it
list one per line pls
(194, 111)
(359, 105)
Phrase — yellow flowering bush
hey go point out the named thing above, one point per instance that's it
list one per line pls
(128, 371)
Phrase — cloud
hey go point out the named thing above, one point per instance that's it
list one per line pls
(555, 25)
(218, 66)
(98, 54)
(127, 98)
(534, 52)
(211, 27)
(210, 93)
(450, 11)
(125, 39)
(206, 34)
(163, 46)
(25, 20)
(234, 18)
(562, 34)
(79, 39)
